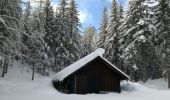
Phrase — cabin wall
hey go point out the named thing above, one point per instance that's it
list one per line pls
(96, 77)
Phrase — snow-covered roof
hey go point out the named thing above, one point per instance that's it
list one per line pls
(60, 76)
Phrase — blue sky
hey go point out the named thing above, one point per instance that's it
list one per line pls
(91, 10)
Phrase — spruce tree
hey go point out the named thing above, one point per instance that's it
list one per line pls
(121, 20)
(38, 57)
(139, 52)
(127, 30)
(102, 30)
(162, 23)
(74, 46)
(112, 38)
(48, 24)
(61, 37)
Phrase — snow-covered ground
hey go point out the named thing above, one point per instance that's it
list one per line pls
(159, 84)
(17, 85)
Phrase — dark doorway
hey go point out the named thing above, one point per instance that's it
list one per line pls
(82, 84)
(95, 81)
(71, 85)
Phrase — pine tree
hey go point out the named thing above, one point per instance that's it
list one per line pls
(112, 39)
(121, 20)
(49, 29)
(37, 55)
(120, 14)
(162, 24)
(74, 47)
(139, 52)
(48, 24)
(27, 21)
(128, 29)
(61, 37)
(102, 30)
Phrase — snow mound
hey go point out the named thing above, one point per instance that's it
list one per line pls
(159, 84)
(149, 86)
(128, 86)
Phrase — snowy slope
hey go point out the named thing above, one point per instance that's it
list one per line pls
(18, 86)
(19, 72)
(159, 84)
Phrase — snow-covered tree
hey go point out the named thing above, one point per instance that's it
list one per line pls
(61, 37)
(139, 52)
(48, 25)
(102, 30)
(162, 24)
(10, 25)
(74, 47)
(127, 30)
(36, 46)
(112, 38)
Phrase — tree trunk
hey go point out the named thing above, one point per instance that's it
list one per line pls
(3, 72)
(60, 63)
(144, 76)
(22, 61)
(55, 61)
(64, 63)
(44, 68)
(33, 71)
(168, 77)
(6, 68)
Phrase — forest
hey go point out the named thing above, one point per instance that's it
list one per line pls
(136, 40)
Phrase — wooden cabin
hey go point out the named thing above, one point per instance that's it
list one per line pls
(91, 74)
